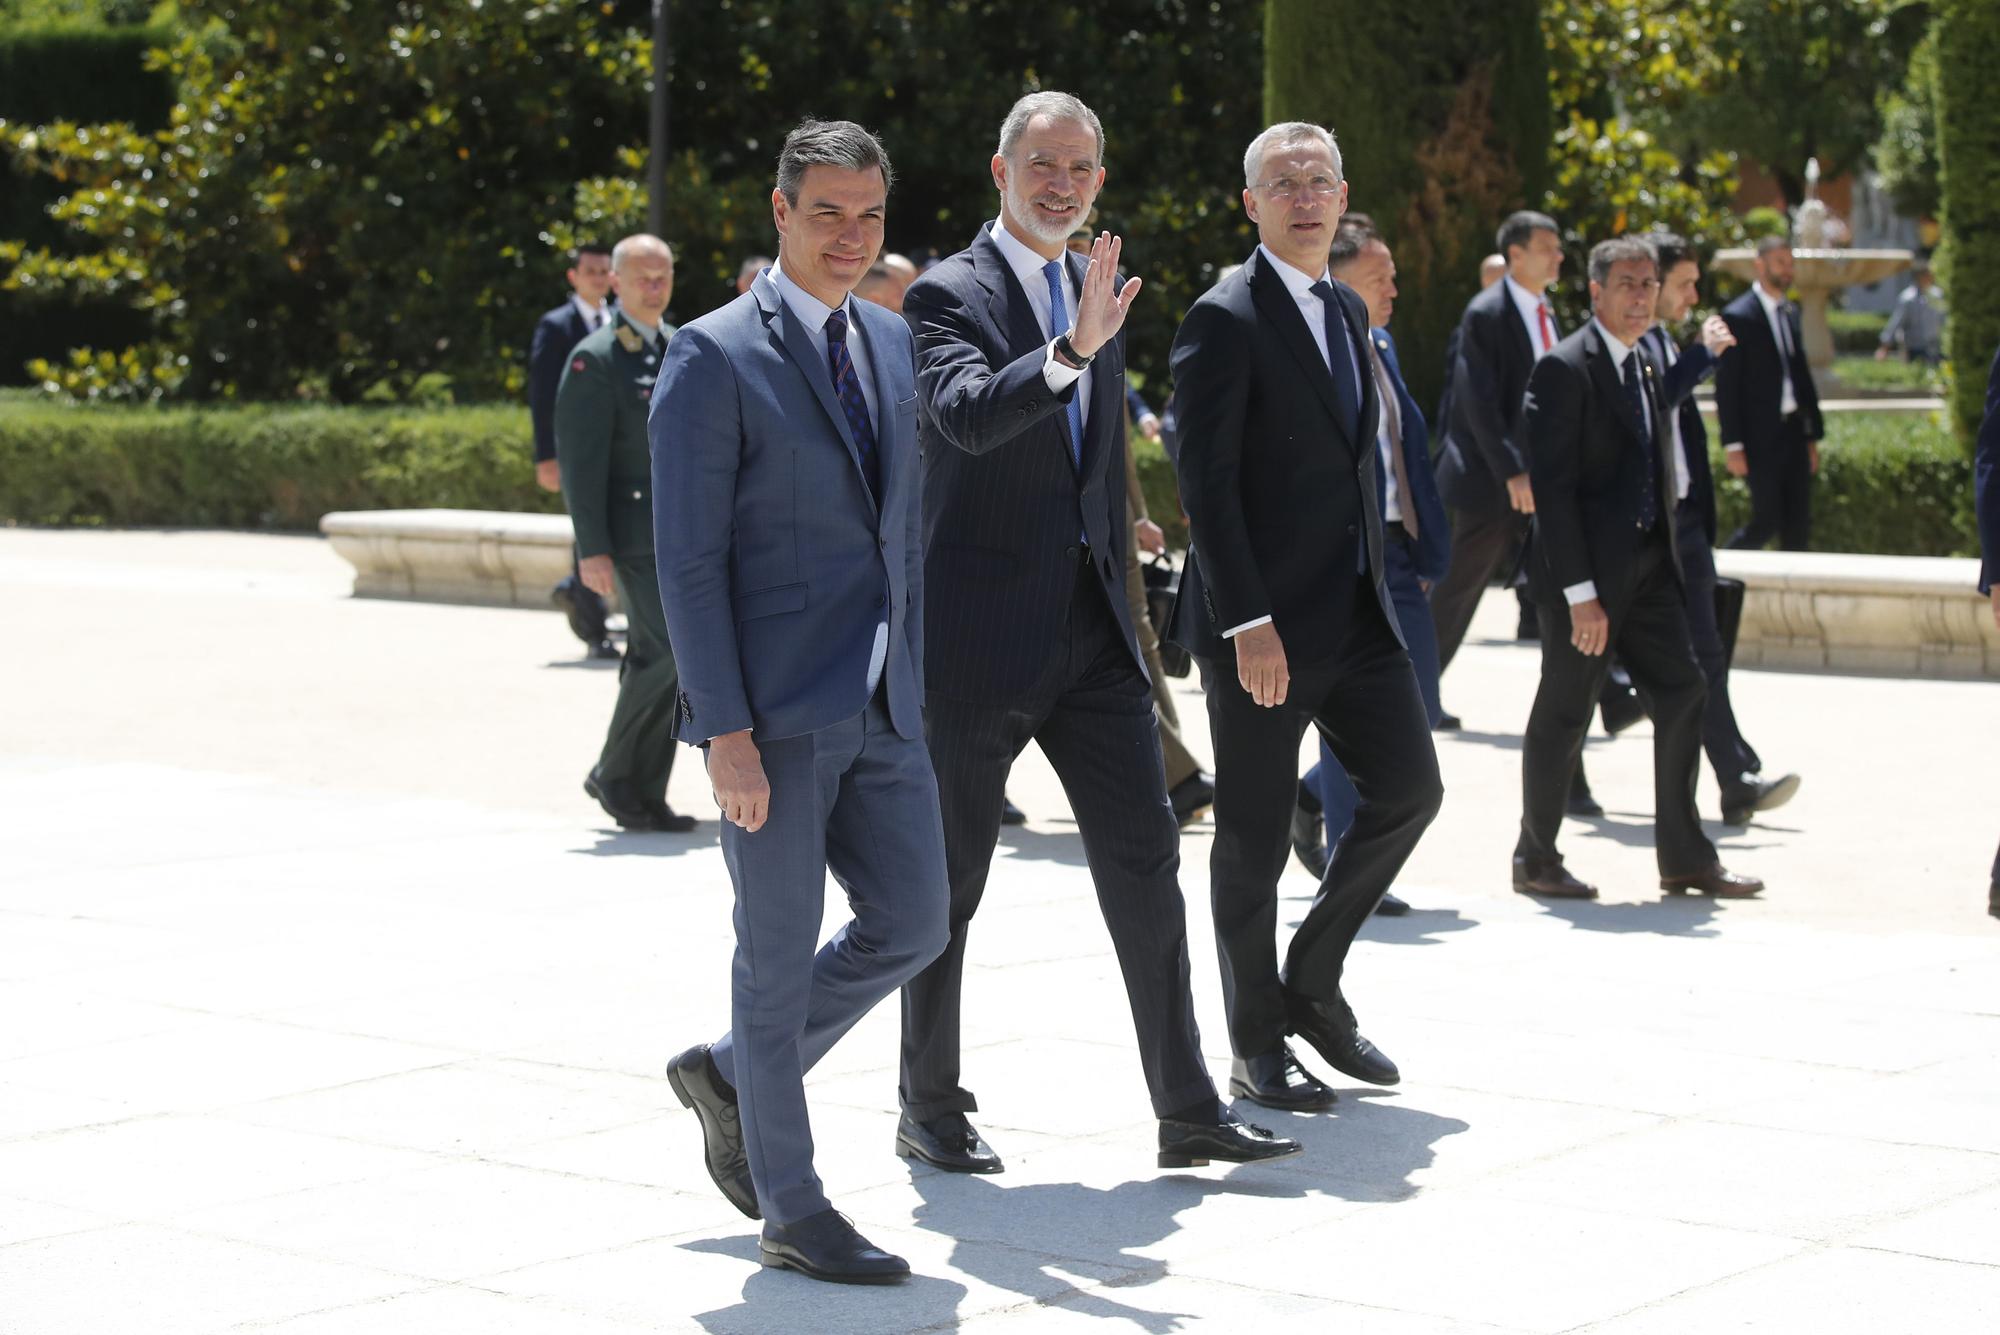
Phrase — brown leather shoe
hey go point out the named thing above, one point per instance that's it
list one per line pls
(1718, 880)
(1551, 879)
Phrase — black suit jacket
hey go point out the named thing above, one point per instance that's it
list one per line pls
(1488, 374)
(1692, 365)
(1003, 503)
(1587, 466)
(556, 333)
(1748, 381)
(1986, 482)
(1280, 498)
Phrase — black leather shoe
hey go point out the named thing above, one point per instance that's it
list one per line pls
(1232, 1140)
(1448, 722)
(1276, 1080)
(1993, 899)
(619, 801)
(1011, 814)
(1389, 906)
(1309, 840)
(1331, 1029)
(1551, 880)
(666, 819)
(1619, 708)
(698, 1085)
(1717, 880)
(1752, 793)
(1191, 797)
(603, 651)
(826, 1246)
(948, 1142)
(1528, 626)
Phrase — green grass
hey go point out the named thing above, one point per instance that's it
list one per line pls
(1895, 376)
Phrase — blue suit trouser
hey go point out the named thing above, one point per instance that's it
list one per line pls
(1327, 780)
(861, 802)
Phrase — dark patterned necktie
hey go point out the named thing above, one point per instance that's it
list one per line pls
(1346, 392)
(847, 388)
(1649, 490)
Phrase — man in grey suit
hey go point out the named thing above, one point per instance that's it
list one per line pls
(786, 484)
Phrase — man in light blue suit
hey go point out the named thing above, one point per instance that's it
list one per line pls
(787, 486)
(1416, 536)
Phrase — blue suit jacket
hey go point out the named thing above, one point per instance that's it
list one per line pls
(1986, 482)
(556, 333)
(1692, 365)
(1432, 552)
(776, 564)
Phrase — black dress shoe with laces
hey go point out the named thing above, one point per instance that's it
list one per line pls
(1191, 797)
(827, 1246)
(1752, 793)
(1011, 814)
(1389, 906)
(666, 819)
(949, 1142)
(1447, 722)
(698, 1085)
(619, 801)
(1331, 1029)
(1551, 880)
(1276, 1080)
(1232, 1140)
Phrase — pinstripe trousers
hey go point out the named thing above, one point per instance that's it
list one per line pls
(1091, 712)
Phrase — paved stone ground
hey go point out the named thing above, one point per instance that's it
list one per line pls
(328, 1004)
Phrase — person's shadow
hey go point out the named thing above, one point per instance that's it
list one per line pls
(1062, 845)
(613, 842)
(775, 1300)
(1669, 915)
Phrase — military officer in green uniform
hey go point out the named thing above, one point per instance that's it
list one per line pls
(607, 483)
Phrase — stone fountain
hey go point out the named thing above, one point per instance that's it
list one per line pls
(1823, 266)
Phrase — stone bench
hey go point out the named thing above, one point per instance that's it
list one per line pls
(490, 557)
(1911, 616)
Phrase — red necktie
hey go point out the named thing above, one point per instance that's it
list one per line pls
(1548, 330)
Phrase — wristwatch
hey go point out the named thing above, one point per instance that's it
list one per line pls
(1071, 357)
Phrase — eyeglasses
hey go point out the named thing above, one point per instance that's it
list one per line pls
(1295, 188)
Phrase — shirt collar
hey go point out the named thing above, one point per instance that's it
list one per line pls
(1295, 281)
(585, 310)
(651, 333)
(1619, 352)
(1769, 302)
(807, 308)
(1524, 301)
(1028, 266)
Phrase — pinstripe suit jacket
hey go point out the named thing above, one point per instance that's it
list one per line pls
(1004, 506)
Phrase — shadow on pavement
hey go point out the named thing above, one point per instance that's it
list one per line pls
(1370, 1145)
(1506, 741)
(1419, 927)
(1669, 915)
(1063, 845)
(775, 1300)
(613, 842)
(587, 664)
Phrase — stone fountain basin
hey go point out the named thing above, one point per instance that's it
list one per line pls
(1825, 268)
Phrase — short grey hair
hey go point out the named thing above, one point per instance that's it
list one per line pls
(1056, 106)
(638, 244)
(1287, 134)
(840, 144)
(1619, 250)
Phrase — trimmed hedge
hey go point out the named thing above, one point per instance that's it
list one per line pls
(1888, 483)
(1968, 123)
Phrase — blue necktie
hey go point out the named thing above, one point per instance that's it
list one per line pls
(1059, 324)
(1341, 362)
(847, 388)
(1649, 491)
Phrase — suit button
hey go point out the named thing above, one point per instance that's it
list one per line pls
(638, 495)
(1070, 552)
(881, 600)
(1351, 530)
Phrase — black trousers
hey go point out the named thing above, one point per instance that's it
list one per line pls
(1092, 714)
(1367, 706)
(1649, 634)
(1780, 491)
(1730, 755)
(1479, 543)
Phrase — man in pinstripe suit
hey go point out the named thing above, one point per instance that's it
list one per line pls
(1026, 627)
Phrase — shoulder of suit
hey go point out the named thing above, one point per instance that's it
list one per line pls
(557, 314)
(594, 347)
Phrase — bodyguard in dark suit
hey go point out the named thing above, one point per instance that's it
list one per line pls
(601, 445)
(1986, 503)
(1606, 561)
(1482, 469)
(786, 480)
(1416, 535)
(1284, 600)
(558, 331)
(1767, 407)
(1737, 767)
(1022, 375)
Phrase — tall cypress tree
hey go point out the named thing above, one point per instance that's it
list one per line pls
(1968, 121)
(1442, 114)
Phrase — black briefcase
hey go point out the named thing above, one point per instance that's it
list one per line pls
(1163, 586)
(1729, 595)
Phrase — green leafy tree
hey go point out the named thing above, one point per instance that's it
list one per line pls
(1455, 136)
(1968, 51)
(345, 202)
(1906, 154)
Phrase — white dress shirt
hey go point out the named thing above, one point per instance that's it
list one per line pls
(1530, 307)
(1781, 331)
(1587, 590)
(1392, 416)
(811, 312)
(1683, 475)
(1030, 269)
(1299, 284)
(594, 317)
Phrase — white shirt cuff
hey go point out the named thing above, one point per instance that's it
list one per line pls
(1737, 448)
(1580, 593)
(1057, 376)
(1234, 631)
